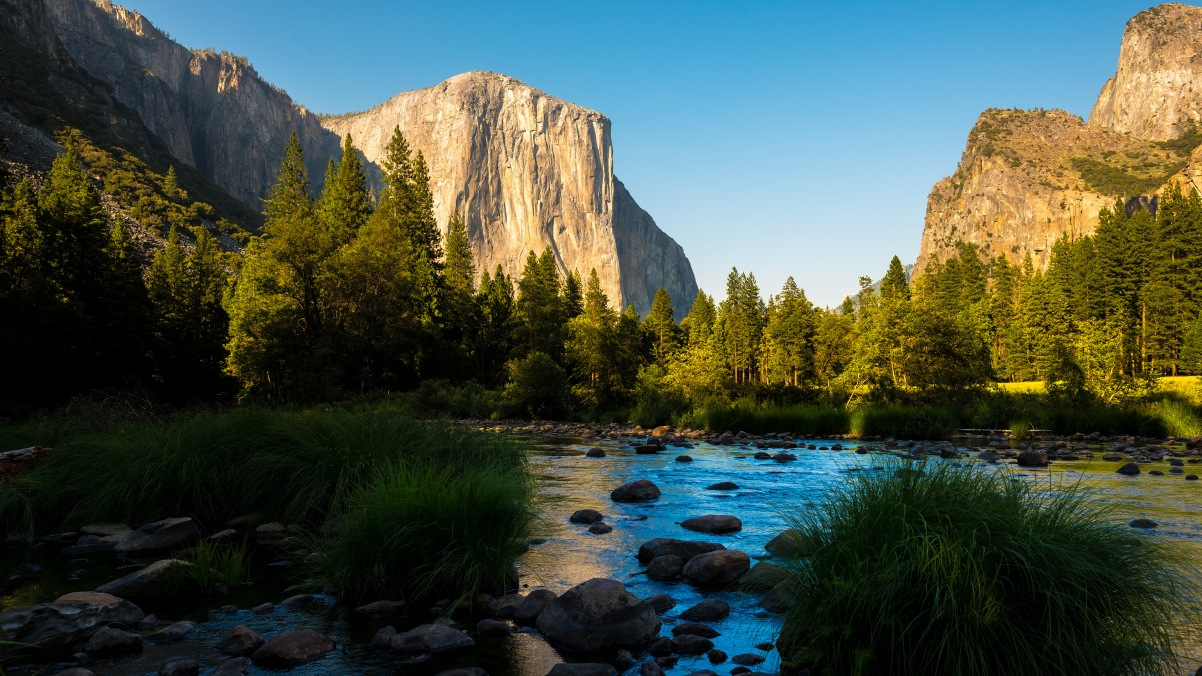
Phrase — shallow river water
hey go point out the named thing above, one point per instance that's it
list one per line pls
(570, 555)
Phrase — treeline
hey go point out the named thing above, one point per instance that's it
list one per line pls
(348, 293)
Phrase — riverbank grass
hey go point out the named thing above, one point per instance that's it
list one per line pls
(956, 570)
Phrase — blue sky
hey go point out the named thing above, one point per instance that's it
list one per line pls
(782, 138)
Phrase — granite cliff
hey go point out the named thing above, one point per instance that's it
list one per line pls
(1027, 178)
(529, 171)
(526, 170)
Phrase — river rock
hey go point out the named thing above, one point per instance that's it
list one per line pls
(598, 615)
(1143, 523)
(723, 486)
(596, 453)
(234, 665)
(430, 638)
(74, 671)
(148, 622)
(50, 625)
(600, 528)
(1130, 469)
(696, 629)
(245, 520)
(89, 544)
(661, 602)
(181, 667)
(684, 458)
(145, 583)
(716, 656)
(104, 529)
(706, 611)
(381, 608)
(702, 672)
(747, 659)
(582, 669)
(660, 646)
(586, 516)
(664, 568)
(270, 533)
(383, 637)
(713, 523)
(493, 628)
(171, 633)
(112, 609)
(293, 648)
(691, 644)
(298, 601)
(1033, 458)
(263, 608)
(507, 605)
(779, 598)
(788, 544)
(717, 569)
(635, 491)
(763, 576)
(685, 549)
(112, 641)
(242, 640)
(650, 668)
(159, 536)
(533, 605)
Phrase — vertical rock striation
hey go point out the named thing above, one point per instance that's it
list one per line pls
(529, 171)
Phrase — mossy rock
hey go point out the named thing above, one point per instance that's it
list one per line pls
(763, 576)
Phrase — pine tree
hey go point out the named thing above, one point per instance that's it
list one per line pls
(895, 280)
(661, 326)
(171, 186)
(498, 312)
(540, 305)
(573, 295)
(344, 203)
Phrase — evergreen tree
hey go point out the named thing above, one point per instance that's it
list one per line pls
(661, 326)
(540, 306)
(171, 186)
(895, 280)
(789, 335)
(573, 295)
(498, 325)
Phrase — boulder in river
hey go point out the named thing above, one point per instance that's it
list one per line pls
(788, 544)
(664, 568)
(533, 604)
(293, 648)
(696, 629)
(706, 611)
(103, 529)
(723, 486)
(52, 625)
(1130, 469)
(585, 516)
(430, 638)
(713, 523)
(582, 669)
(1033, 458)
(180, 667)
(159, 536)
(596, 453)
(635, 491)
(383, 637)
(493, 628)
(74, 671)
(647, 449)
(381, 608)
(171, 633)
(763, 576)
(661, 602)
(600, 528)
(685, 549)
(113, 610)
(780, 598)
(112, 641)
(1144, 523)
(598, 615)
(716, 656)
(684, 458)
(747, 659)
(717, 569)
(234, 665)
(463, 671)
(691, 644)
(242, 640)
(147, 582)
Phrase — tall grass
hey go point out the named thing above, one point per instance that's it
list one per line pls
(759, 419)
(426, 530)
(412, 507)
(958, 571)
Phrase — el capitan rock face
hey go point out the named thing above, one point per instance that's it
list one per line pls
(529, 171)
(1028, 178)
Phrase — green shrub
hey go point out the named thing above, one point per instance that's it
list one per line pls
(760, 419)
(957, 570)
(904, 422)
(656, 402)
(537, 385)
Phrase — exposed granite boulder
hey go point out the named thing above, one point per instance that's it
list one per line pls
(293, 648)
(717, 569)
(685, 549)
(598, 615)
(158, 537)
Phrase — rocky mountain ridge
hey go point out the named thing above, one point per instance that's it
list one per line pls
(526, 170)
(1027, 178)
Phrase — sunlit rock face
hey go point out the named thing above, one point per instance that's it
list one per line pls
(529, 171)
(526, 170)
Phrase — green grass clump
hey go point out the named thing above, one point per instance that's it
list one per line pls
(760, 419)
(428, 531)
(213, 563)
(1020, 429)
(956, 570)
(414, 507)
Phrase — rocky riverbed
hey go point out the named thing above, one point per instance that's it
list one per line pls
(618, 503)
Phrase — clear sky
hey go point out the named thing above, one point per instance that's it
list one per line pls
(782, 138)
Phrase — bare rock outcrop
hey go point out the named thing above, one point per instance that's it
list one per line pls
(529, 171)
(1157, 89)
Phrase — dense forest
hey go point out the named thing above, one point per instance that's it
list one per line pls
(349, 293)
